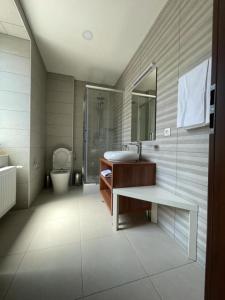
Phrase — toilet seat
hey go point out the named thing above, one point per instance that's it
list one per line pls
(62, 165)
(62, 159)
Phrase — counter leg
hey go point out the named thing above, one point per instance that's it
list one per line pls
(115, 212)
(154, 213)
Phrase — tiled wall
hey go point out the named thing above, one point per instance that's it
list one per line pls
(59, 114)
(15, 108)
(78, 124)
(22, 114)
(117, 103)
(37, 93)
(179, 40)
(37, 123)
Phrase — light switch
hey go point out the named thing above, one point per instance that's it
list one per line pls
(167, 132)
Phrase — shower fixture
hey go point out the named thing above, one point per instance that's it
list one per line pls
(100, 118)
(100, 107)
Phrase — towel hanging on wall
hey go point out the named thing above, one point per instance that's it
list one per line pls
(208, 90)
(194, 97)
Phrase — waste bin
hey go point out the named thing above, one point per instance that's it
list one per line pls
(77, 178)
(47, 181)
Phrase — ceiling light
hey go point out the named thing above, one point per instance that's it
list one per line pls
(87, 35)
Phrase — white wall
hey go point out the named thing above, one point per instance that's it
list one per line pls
(59, 114)
(78, 124)
(15, 67)
(35, 151)
(37, 124)
(180, 39)
(22, 114)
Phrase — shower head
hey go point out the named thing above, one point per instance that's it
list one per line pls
(100, 103)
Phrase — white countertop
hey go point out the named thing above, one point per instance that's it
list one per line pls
(156, 194)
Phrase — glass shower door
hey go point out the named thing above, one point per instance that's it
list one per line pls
(98, 129)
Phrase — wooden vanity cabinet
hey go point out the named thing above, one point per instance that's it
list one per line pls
(126, 174)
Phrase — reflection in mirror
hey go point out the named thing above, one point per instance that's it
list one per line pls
(144, 108)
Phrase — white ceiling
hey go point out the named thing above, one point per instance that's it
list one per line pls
(118, 26)
(10, 20)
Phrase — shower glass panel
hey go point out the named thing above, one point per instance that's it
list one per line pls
(102, 128)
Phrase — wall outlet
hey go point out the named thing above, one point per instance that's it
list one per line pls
(167, 132)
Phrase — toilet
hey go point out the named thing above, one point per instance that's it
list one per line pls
(62, 165)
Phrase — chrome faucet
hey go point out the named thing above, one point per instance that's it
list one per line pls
(138, 144)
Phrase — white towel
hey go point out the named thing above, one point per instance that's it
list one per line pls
(192, 97)
(208, 90)
(106, 173)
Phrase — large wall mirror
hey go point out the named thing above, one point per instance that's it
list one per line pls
(144, 95)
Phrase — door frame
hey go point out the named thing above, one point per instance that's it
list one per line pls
(215, 260)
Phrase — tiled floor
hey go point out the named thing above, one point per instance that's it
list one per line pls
(63, 248)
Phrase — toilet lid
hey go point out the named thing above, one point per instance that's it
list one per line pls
(61, 159)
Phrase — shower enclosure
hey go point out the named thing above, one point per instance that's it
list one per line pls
(102, 127)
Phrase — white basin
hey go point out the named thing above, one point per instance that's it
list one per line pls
(4, 160)
(120, 156)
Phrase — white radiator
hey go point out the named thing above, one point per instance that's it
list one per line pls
(7, 189)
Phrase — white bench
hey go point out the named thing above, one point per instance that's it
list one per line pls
(157, 195)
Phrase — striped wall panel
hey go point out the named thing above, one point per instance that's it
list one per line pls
(15, 109)
(179, 40)
(59, 114)
(37, 123)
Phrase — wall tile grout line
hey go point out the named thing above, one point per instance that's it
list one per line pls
(139, 259)
(14, 73)
(12, 53)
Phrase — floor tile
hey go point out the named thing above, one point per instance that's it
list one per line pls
(56, 209)
(55, 233)
(17, 217)
(93, 205)
(156, 250)
(15, 238)
(115, 265)
(52, 274)
(108, 262)
(133, 220)
(8, 266)
(95, 226)
(186, 283)
(138, 290)
(47, 196)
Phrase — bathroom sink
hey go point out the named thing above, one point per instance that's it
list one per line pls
(120, 156)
